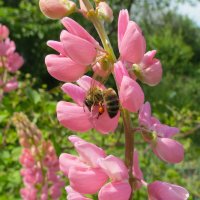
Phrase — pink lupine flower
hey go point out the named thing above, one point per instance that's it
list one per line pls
(28, 193)
(39, 161)
(149, 71)
(4, 32)
(69, 114)
(55, 191)
(10, 85)
(163, 146)
(7, 47)
(26, 158)
(74, 195)
(73, 56)
(131, 42)
(82, 168)
(164, 191)
(56, 9)
(119, 187)
(115, 190)
(14, 62)
(130, 93)
(75, 42)
(132, 46)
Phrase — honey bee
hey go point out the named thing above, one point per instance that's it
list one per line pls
(103, 99)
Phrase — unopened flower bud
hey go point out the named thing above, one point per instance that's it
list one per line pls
(24, 142)
(57, 9)
(4, 32)
(105, 12)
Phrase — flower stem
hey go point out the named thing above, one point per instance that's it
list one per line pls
(129, 146)
(129, 133)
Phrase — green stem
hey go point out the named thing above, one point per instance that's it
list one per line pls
(129, 133)
(129, 146)
(100, 29)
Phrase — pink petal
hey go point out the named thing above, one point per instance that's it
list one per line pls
(76, 47)
(131, 95)
(119, 72)
(59, 67)
(89, 152)
(11, 85)
(152, 74)
(73, 139)
(74, 28)
(164, 191)
(145, 115)
(115, 191)
(168, 150)
(148, 58)
(104, 123)
(165, 131)
(114, 168)
(4, 31)
(75, 92)
(73, 117)
(66, 161)
(74, 195)
(133, 45)
(87, 180)
(122, 25)
(136, 170)
(57, 46)
(87, 82)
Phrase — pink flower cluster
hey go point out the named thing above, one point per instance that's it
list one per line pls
(40, 168)
(93, 171)
(40, 163)
(10, 62)
(73, 62)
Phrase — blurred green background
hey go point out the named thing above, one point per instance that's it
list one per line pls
(175, 100)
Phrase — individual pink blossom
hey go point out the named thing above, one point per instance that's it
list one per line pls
(7, 47)
(119, 187)
(115, 190)
(132, 47)
(149, 71)
(28, 193)
(130, 93)
(26, 158)
(163, 146)
(84, 167)
(131, 42)
(14, 62)
(10, 85)
(69, 114)
(73, 56)
(75, 42)
(4, 32)
(56, 9)
(164, 191)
